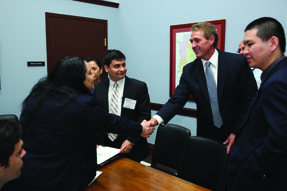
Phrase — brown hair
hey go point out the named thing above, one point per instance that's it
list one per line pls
(208, 29)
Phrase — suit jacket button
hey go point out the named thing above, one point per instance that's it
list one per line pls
(263, 176)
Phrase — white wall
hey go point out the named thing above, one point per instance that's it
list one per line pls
(146, 24)
(139, 28)
(145, 30)
(23, 38)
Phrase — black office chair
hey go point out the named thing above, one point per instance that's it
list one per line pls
(9, 116)
(169, 147)
(205, 163)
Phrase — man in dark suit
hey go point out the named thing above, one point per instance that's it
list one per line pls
(258, 159)
(133, 103)
(219, 117)
(11, 150)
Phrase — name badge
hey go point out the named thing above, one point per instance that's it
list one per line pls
(129, 103)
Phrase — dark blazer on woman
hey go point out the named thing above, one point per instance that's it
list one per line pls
(236, 87)
(135, 90)
(61, 145)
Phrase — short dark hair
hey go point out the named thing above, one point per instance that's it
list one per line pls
(208, 29)
(268, 27)
(97, 61)
(113, 55)
(10, 135)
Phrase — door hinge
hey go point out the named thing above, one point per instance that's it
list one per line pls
(105, 42)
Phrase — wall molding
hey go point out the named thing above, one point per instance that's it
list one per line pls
(101, 2)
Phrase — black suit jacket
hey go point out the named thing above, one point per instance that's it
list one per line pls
(61, 146)
(258, 159)
(236, 87)
(135, 90)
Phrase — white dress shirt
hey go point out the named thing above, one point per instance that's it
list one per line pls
(213, 65)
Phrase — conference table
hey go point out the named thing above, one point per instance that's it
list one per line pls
(123, 174)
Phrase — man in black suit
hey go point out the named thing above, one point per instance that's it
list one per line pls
(258, 159)
(11, 151)
(219, 117)
(132, 102)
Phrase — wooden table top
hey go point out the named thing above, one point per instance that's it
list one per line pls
(124, 174)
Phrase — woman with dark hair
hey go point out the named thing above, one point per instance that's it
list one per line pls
(96, 67)
(60, 120)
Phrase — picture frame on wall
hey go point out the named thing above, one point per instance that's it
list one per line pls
(181, 52)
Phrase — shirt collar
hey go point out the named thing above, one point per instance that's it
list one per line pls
(269, 68)
(213, 59)
(120, 83)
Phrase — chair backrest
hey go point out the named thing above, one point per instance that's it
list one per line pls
(169, 146)
(205, 163)
(9, 116)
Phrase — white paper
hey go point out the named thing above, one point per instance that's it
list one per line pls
(105, 153)
(98, 173)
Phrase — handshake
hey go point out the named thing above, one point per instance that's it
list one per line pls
(148, 127)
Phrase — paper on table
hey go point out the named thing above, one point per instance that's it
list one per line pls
(97, 175)
(105, 153)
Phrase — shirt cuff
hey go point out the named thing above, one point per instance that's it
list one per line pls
(159, 119)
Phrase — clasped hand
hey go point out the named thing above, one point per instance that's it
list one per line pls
(148, 128)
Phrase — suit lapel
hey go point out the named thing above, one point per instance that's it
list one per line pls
(201, 78)
(221, 74)
(125, 93)
(105, 93)
(250, 107)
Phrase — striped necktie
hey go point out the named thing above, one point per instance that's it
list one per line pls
(114, 107)
(212, 91)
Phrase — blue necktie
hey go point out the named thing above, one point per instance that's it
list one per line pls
(212, 90)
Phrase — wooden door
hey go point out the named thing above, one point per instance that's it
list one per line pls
(75, 36)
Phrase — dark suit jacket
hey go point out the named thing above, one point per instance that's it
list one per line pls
(236, 87)
(258, 160)
(136, 90)
(61, 147)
